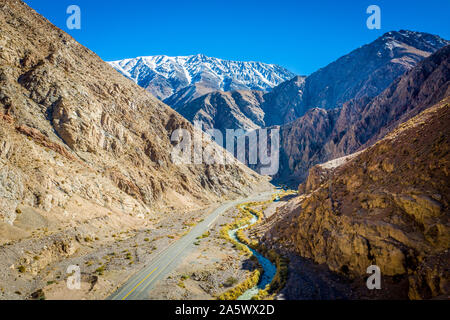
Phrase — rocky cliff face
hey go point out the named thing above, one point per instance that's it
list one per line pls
(282, 104)
(387, 206)
(227, 110)
(73, 128)
(321, 135)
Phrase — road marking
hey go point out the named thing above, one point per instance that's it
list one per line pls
(167, 264)
(165, 252)
(139, 284)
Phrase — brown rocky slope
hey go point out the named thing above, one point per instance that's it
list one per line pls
(62, 98)
(321, 135)
(387, 205)
(84, 153)
(227, 110)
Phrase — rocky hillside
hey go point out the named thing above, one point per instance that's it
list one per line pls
(227, 110)
(369, 70)
(178, 80)
(387, 206)
(321, 135)
(248, 110)
(74, 130)
(281, 105)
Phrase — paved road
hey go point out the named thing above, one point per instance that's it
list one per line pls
(139, 285)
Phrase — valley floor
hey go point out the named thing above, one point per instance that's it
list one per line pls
(215, 265)
(208, 270)
(36, 265)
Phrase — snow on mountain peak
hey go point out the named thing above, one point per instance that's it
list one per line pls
(164, 75)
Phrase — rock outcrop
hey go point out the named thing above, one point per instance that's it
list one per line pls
(387, 206)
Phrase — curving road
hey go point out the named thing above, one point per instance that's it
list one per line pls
(139, 286)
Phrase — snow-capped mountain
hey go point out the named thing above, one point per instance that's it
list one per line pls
(178, 80)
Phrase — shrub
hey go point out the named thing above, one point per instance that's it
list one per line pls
(100, 270)
(231, 281)
(206, 235)
(185, 277)
(236, 292)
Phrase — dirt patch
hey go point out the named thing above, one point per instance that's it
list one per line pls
(212, 267)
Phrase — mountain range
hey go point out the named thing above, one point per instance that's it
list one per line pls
(362, 74)
(179, 80)
(322, 135)
(87, 177)
(378, 194)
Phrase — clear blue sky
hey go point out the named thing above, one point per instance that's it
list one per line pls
(302, 36)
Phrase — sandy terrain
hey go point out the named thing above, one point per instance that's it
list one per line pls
(212, 267)
(105, 256)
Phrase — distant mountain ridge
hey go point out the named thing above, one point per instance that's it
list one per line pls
(222, 110)
(362, 74)
(188, 77)
(322, 135)
(368, 70)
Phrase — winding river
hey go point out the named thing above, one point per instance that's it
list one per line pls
(269, 268)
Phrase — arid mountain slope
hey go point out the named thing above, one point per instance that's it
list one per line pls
(227, 110)
(73, 127)
(248, 110)
(281, 105)
(360, 75)
(321, 135)
(366, 71)
(86, 175)
(386, 206)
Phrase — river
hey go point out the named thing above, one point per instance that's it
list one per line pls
(269, 268)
